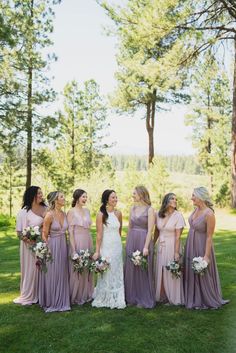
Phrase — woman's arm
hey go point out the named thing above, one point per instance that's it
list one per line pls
(151, 222)
(99, 228)
(210, 218)
(156, 234)
(178, 233)
(119, 216)
(71, 232)
(46, 226)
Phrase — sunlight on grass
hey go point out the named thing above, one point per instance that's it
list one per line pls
(164, 329)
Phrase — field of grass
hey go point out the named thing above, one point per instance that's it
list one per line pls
(165, 329)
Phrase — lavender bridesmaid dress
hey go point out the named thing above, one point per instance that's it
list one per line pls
(54, 284)
(201, 292)
(29, 272)
(139, 286)
(81, 285)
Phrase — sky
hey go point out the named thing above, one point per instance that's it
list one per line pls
(84, 52)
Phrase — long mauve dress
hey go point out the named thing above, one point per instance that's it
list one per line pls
(139, 284)
(81, 285)
(29, 272)
(54, 284)
(165, 253)
(200, 291)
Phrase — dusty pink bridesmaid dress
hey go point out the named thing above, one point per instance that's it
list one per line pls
(165, 253)
(29, 272)
(81, 285)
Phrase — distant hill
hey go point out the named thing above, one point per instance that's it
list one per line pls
(174, 163)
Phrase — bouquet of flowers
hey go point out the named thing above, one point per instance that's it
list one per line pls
(43, 255)
(81, 260)
(138, 259)
(199, 266)
(31, 233)
(175, 268)
(101, 265)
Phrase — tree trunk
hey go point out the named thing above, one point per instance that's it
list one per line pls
(29, 108)
(233, 160)
(29, 128)
(209, 143)
(73, 148)
(10, 187)
(150, 120)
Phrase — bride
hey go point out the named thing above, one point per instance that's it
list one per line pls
(109, 291)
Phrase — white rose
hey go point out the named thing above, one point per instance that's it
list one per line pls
(75, 257)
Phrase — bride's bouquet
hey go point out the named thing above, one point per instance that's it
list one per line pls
(199, 266)
(101, 265)
(138, 259)
(175, 268)
(82, 260)
(43, 255)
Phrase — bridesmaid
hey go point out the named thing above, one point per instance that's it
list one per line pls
(54, 284)
(169, 227)
(202, 292)
(81, 285)
(31, 214)
(139, 286)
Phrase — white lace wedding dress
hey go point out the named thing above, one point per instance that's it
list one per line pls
(109, 291)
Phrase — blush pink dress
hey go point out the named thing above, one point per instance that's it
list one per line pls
(29, 272)
(165, 253)
(81, 285)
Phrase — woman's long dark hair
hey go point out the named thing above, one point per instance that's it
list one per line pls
(164, 205)
(103, 209)
(29, 196)
(76, 195)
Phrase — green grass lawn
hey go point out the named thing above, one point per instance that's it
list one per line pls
(132, 330)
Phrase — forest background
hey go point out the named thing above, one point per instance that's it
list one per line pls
(158, 62)
(169, 53)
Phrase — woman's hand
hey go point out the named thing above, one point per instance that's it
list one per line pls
(206, 258)
(145, 251)
(176, 257)
(95, 256)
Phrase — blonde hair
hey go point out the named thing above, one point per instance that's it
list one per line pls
(143, 194)
(203, 194)
(52, 197)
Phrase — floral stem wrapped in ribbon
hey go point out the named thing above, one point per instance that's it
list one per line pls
(139, 260)
(199, 265)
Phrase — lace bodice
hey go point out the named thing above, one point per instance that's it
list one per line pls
(113, 225)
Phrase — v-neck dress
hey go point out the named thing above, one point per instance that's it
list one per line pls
(200, 291)
(165, 253)
(139, 284)
(29, 272)
(54, 284)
